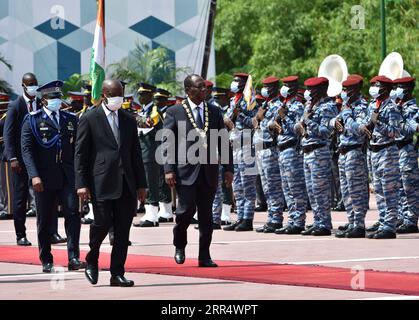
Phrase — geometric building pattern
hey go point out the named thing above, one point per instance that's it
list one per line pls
(53, 38)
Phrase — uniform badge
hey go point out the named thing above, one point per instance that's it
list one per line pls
(44, 140)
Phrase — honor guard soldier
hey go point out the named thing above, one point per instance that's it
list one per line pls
(316, 133)
(408, 157)
(158, 206)
(290, 156)
(238, 120)
(48, 137)
(349, 124)
(267, 155)
(87, 99)
(383, 125)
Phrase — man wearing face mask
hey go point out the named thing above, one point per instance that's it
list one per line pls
(239, 120)
(352, 170)
(316, 132)
(17, 111)
(267, 155)
(383, 127)
(408, 162)
(290, 159)
(48, 137)
(110, 172)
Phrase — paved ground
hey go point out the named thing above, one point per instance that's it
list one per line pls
(18, 281)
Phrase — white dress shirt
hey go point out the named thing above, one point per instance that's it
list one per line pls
(49, 114)
(108, 114)
(28, 104)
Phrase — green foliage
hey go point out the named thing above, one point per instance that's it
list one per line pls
(144, 64)
(74, 83)
(4, 85)
(285, 37)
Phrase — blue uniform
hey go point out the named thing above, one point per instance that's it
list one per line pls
(352, 164)
(290, 161)
(267, 159)
(408, 164)
(48, 153)
(245, 171)
(317, 163)
(385, 162)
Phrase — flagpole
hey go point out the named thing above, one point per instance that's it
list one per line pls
(208, 40)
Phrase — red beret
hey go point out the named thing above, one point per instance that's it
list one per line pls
(270, 80)
(314, 82)
(382, 79)
(351, 81)
(241, 75)
(355, 76)
(404, 80)
(290, 79)
(209, 83)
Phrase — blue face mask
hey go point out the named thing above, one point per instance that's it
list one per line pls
(400, 93)
(234, 87)
(265, 92)
(53, 104)
(393, 95)
(344, 96)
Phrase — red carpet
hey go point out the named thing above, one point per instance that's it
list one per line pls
(258, 272)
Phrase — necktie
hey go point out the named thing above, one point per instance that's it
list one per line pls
(114, 127)
(198, 119)
(30, 105)
(54, 118)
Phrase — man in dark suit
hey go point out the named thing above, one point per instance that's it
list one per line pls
(195, 181)
(48, 137)
(17, 110)
(109, 170)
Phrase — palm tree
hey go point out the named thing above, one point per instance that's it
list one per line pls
(4, 85)
(74, 83)
(144, 64)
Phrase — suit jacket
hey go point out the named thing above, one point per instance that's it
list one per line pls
(100, 163)
(54, 163)
(187, 173)
(16, 112)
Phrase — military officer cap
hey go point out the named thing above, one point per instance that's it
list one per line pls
(145, 87)
(76, 96)
(290, 79)
(404, 80)
(270, 80)
(51, 89)
(316, 82)
(87, 88)
(241, 75)
(382, 80)
(208, 84)
(161, 93)
(217, 91)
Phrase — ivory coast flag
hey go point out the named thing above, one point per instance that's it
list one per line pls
(97, 63)
(249, 94)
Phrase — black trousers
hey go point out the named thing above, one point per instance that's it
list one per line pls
(20, 201)
(116, 213)
(198, 196)
(46, 207)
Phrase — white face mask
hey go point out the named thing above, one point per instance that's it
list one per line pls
(31, 90)
(234, 87)
(114, 103)
(400, 93)
(393, 95)
(264, 92)
(53, 104)
(307, 95)
(284, 91)
(374, 91)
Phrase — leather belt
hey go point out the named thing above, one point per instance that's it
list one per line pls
(346, 149)
(287, 145)
(268, 145)
(403, 143)
(376, 148)
(312, 147)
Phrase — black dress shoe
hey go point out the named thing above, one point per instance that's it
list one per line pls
(308, 231)
(262, 228)
(289, 230)
(355, 233)
(207, 264)
(261, 208)
(56, 238)
(92, 273)
(245, 225)
(47, 267)
(86, 221)
(23, 242)
(146, 224)
(407, 229)
(269, 227)
(121, 281)
(383, 234)
(344, 227)
(374, 227)
(5, 216)
(180, 256)
(341, 234)
(76, 264)
(164, 220)
(321, 232)
(232, 226)
(31, 213)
